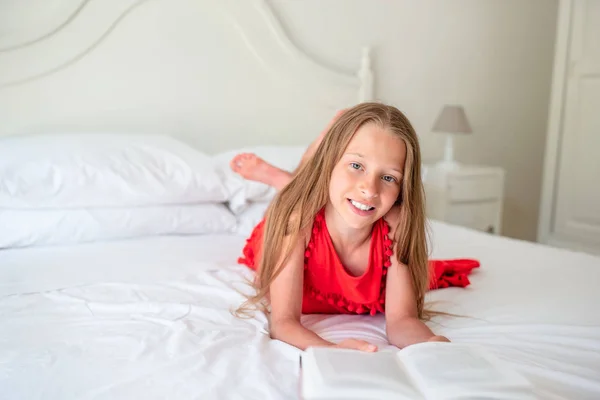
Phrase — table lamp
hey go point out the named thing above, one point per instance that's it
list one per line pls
(452, 120)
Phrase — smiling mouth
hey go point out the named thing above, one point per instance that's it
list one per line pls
(361, 206)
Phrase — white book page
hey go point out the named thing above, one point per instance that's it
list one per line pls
(339, 373)
(450, 370)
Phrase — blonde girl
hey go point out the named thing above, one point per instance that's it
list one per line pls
(346, 231)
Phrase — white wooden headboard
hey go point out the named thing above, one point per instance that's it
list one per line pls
(218, 73)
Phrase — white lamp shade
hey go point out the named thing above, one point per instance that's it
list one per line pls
(452, 119)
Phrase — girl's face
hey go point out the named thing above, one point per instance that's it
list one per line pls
(366, 182)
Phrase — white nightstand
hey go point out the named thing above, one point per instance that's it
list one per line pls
(467, 195)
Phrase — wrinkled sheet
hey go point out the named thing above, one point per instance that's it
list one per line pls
(151, 318)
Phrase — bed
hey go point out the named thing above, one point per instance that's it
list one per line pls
(97, 314)
(150, 318)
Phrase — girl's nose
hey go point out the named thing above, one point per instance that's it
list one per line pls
(368, 187)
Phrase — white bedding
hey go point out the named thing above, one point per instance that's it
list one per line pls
(150, 319)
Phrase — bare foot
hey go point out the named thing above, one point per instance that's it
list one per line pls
(254, 168)
(250, 166)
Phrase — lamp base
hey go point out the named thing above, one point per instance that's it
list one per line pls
(447, 165)
(448, 162)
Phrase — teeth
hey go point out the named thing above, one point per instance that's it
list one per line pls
(361, 206)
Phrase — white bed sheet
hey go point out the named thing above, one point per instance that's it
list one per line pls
(150, 318)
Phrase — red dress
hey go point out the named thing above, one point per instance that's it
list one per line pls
(330, 289)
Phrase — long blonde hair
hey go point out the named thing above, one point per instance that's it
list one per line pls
(296, 206)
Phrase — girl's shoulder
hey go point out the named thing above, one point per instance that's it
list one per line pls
(392, 218)
(304, 234)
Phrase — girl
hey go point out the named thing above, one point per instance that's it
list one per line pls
(346, 232)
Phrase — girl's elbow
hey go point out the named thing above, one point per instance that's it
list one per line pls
(405, 331)
(398, 340)
(279, 327)
(275, 330)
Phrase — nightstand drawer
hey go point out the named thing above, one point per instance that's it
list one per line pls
(480, 216)
(475, 188)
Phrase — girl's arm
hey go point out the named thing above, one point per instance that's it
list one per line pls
(402, 323)
(403, 326)
(286, 306)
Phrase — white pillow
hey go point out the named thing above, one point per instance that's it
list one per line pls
(22, 228)
(250, 217)
(244, 192)
(88, 170)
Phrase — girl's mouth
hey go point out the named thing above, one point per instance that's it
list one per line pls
(361, 208)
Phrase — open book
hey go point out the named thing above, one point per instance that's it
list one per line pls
(435, 370)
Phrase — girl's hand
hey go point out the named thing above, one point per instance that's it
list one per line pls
(356, 344)
(438, 339)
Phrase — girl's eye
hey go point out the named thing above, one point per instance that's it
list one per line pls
(389, 178)
(355, 165)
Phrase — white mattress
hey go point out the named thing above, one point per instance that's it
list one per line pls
(150, 319)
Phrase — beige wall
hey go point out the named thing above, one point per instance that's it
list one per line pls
(493, 56)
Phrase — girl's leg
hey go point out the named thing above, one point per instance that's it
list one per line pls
(254, 168)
